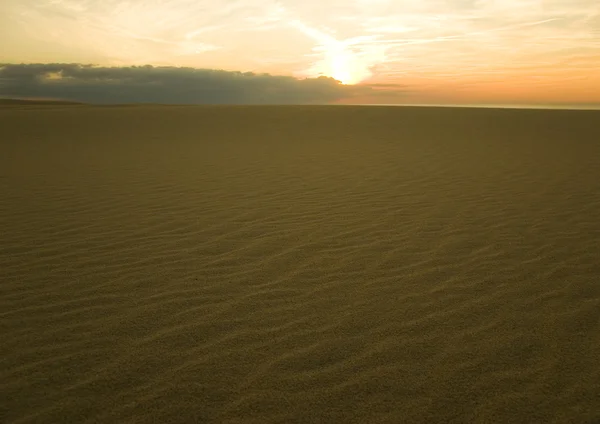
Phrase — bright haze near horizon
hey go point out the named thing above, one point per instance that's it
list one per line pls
(510, 52)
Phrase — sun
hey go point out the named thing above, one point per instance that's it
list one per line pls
(344, 67)
(349, 61)
(347, 66)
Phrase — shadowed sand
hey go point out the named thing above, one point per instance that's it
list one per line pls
(299, 265)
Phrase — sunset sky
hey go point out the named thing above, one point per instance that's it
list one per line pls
(397, 51)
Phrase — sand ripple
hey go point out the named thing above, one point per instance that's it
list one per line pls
(298, 264)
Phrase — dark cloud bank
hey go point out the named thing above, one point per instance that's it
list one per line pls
(167, 85)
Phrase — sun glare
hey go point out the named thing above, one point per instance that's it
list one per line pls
(346, 66)
(342, 69)
(340, 61)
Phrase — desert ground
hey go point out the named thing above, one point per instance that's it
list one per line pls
(299, 264)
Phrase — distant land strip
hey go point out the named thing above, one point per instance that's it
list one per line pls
(38, 102)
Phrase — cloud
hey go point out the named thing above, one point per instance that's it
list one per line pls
(168, 85)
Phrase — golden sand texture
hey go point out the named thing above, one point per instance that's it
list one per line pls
(299, 265)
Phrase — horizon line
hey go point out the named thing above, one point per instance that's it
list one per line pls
(49, 101)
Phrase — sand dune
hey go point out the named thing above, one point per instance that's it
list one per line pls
(299, 265)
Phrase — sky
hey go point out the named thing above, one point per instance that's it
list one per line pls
(528, 52)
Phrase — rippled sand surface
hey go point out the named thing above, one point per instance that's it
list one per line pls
(299, 265)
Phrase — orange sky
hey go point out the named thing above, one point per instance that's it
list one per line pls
(452, 51)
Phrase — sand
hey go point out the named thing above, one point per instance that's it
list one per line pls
(299, 265)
